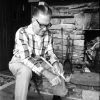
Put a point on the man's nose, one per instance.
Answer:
(45, 28)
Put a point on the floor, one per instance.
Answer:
(8, 92)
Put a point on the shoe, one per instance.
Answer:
(86, 69)
(68, 78)
(55, 97)
(74, 94)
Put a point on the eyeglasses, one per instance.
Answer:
(43, 25)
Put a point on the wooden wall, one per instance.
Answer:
(4, 29)
(13, 14)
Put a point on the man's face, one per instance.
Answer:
(42, 23)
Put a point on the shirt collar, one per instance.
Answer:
(30, 30)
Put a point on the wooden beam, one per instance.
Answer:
(33, 1)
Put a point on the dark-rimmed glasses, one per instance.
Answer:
(43, 25)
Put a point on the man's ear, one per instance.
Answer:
(33, 19)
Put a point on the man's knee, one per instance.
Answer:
(26, 72)
(60, 90)
(63, 93)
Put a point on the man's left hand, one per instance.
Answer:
(57, 69)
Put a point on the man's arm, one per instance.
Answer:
(23, 52)
(53, 58)
(50, 52)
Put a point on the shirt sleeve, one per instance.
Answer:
(22, 50)
(53, 57)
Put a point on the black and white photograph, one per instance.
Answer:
(49, 50)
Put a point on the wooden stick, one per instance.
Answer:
(52, 67)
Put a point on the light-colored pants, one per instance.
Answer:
(23, 76)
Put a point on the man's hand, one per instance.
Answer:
(55, 81)
(45, 65)
(68, 78)
(37, 70)
(52, 78)
(57, 69)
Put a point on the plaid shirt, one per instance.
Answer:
(29, 45)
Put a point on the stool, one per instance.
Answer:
(36, 81)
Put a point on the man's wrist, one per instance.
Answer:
(37, 69)
(44, 72)
(41, 69)
(55, 63)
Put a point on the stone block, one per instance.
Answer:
(58, 53)
(64, 42)
(68, 26)
(64, 49)
(78, 32)
(55, 31)
(74, 60)
(55, 11)
(78, 42)
(78, 55)
(82, 20)
(76, 47)
(90, 95)
(57, 47)
(67, 32)
(64, 26)
(68, 21)
(57, 35)
(55, 21)
(77, 37)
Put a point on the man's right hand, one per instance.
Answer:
(45, 65)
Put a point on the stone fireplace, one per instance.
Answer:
(69, 27)
(73, 21)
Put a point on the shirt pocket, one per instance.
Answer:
(45, 44)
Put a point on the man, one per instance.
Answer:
(32, 43)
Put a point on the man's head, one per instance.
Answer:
(41, 17)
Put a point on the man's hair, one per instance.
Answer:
(45, 9)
